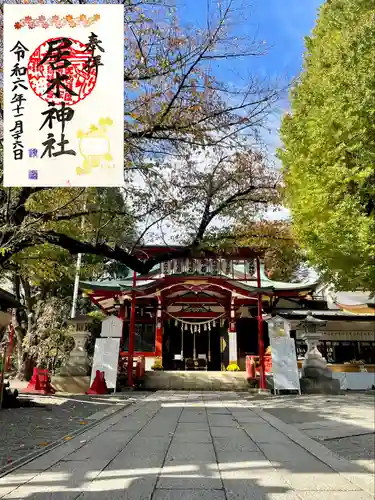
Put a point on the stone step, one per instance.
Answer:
(199, 380)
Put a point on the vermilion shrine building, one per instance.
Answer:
(201, 308)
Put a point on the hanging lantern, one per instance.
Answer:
(205, 327)
(186, 326)
(175, 322)
(214, 323)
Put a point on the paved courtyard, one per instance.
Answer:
(345, 424)
(193, 446)
(41, 420)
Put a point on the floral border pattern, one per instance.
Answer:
(68, 21)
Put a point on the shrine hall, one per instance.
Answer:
(206, 310)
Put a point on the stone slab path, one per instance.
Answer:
(190, 446)
(44, 419)
(345, 424)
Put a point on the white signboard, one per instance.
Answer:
(278, 327)
(63, 95)
(106, 356)
(284, 364)
(111, 327)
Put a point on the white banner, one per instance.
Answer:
(106, 356)
(63, 95)
(284, 364)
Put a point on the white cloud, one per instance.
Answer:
(281, 213)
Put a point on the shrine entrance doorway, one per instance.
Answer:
(183, 349)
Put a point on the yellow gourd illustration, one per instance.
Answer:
(95, 159)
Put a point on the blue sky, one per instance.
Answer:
(282, 24)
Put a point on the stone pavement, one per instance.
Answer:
(345, 424)
(44, 419)
(190, 446)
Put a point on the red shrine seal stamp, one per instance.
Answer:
(62, 70)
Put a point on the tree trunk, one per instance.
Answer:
(25, 372)
(25, 363)
(23, 326)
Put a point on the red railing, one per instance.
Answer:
(139, 366)
(252, 366)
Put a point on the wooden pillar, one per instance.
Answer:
(232, 333)
(159, 326)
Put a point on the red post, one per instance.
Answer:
(262, 381)
(132, 333)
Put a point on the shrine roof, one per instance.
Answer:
(114, 285)
(156, 279)
(235, 252)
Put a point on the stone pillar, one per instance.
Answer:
(232, 333)
(316, 376)
(77, 364)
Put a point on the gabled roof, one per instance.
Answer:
(235, 252)
(143, 282)
(106, 294)
(281, 285)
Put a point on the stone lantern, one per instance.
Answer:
(77, 364)
(316, 376)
